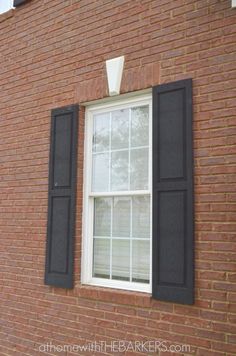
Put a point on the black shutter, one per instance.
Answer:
(19, 2)
(62, 197)
(173, 192)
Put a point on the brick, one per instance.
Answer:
(231, 339)
(223, 347)
(54, 55)
(212, 315)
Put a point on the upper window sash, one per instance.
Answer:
(96, 153)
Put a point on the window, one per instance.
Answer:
(5, 5)
(117, 226)
(124, 210)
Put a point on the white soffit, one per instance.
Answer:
(233, 3)
(114, 69)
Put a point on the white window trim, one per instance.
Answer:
(87, 229)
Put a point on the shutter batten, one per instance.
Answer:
(173, 192)
(62, 198)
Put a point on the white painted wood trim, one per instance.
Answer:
(114, 69)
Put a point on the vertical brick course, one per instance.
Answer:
(52, 53)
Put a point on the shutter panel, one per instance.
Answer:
(173, 192)
(62, 198)
(19, 2)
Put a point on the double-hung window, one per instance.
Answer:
(117, 227)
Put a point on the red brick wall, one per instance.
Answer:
(52, 54)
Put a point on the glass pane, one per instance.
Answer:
(120, 259)
(119, 170)
(101, 132)
(101, 258)
(139, 169)
(100, 172)
(121, 217)
(102, 216)
(139, 126)
(140, 261)
(120, 129)
(141, 217)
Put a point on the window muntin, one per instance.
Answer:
(117, 237)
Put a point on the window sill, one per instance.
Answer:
(117, 296)
(6, 15)
(112, 295)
